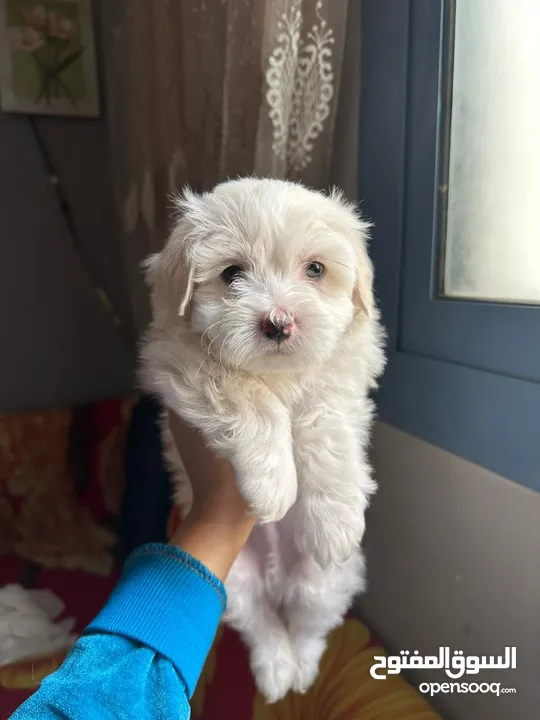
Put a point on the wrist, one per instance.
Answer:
(215, 541)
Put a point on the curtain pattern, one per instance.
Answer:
(204, 90)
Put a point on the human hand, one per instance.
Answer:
(219, 522)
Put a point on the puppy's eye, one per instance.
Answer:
(230, 273)
(315, 270)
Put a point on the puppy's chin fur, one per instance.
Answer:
(293, 417)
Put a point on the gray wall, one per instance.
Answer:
(57, 344)
(454, 559)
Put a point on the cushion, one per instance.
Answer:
(61, 491)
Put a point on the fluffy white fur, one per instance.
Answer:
(293, 417)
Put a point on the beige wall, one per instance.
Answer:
(454, 559)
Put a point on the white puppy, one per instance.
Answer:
(265, 337)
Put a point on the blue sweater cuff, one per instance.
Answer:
(168, 601)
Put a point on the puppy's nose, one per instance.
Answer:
(276, 329)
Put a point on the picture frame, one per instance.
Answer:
(47, 58)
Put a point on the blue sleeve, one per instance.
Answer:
(143, 654)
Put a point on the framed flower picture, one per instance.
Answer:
(47, 58)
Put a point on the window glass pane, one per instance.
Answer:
(492, 244)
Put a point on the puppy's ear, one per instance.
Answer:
(170, 276)
(356, 229)
(362, 296)
(170, 273)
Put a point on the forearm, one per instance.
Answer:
(146, 648)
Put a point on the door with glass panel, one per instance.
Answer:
(471, 289)
(449, 170)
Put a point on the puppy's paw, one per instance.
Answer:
(274, 669)
(271, 496)
(308, 655)
(276, 508)
(330, 530)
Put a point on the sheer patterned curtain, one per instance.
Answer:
(203, 90)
